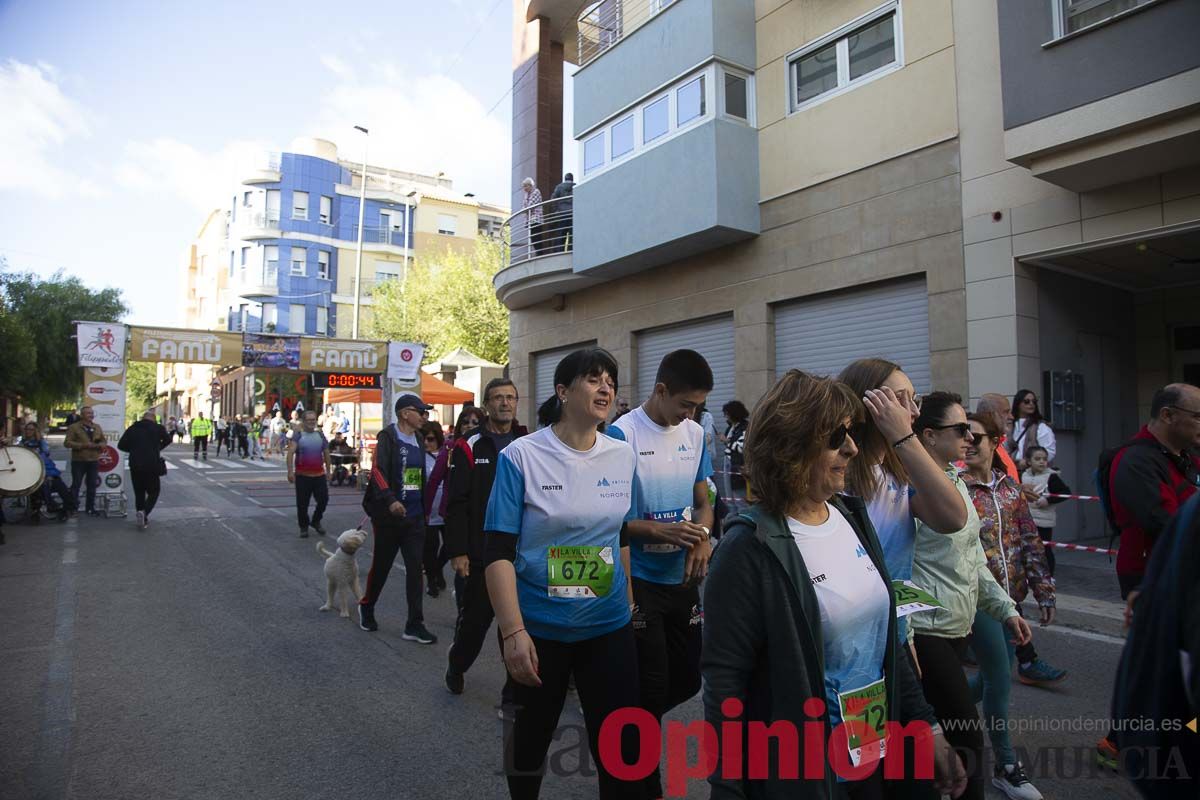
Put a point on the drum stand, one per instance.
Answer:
(112, 504)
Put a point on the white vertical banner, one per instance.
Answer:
(404, 362)
(100, 344)
(104, 392)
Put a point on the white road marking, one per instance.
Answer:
(69, 555)
(197, 464)
(70, 537)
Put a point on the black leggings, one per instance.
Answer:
(605, 671)
(946, 689)
(146, 486)
(475, 616)
(668, 633)
(432, 556)
(408, 538)
(1047, 535)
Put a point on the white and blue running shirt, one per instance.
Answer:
(891, 514)
(549, 495)
(670, 462)
(854, 605)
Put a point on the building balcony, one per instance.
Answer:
(260, 226)
(374, 235)
(267, 171)
(540, 243)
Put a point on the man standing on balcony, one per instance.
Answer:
(533, 217)
(563, 227)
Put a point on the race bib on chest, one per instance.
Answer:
(864, 713)
(579, 573)
(675, 515)
(412, 479)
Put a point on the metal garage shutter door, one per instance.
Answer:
(823, 334)
(711, 338)
(544, 365)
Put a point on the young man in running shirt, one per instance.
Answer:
(308, 468)
(669, 539)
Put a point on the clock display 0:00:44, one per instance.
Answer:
(338, 380)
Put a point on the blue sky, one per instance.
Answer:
(123, 122)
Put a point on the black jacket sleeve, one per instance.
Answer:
(381, 479)
(501, 547)
(1138, 484)
(126, 441)
(458, 504)
(1057, 486)
(164, 438)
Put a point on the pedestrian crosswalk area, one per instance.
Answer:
(187, 463)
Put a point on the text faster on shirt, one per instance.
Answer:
(670, 462)
(551, 496)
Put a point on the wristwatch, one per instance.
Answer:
(707, 531)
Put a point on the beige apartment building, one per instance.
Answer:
(962, 186)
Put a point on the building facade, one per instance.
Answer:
(283, 256)
(799, 183)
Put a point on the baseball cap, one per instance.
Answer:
(409, 400)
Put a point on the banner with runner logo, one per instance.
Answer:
(404, 361)
(101, 344)
(177, 346)
(270, 352)
(104, 392)
(342, 355)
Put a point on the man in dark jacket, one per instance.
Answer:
(144, 441)
(470, 485)
(396, 504)
(1153, 476)
(560, 224)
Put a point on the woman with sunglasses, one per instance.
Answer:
(953, 568)
(1029, 430)
(557, 574)
(799, 604)
(1018, 562)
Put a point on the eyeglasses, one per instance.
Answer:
(838, 437)
(1193, 414)
(963, 428)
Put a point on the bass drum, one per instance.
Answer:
(21, 471)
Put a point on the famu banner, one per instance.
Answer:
(342, 355)
(175, 345)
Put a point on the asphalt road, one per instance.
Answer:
(190, 661)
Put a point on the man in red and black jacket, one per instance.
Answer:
(472, 470)
(1153, 475)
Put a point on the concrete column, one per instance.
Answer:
(537, 110)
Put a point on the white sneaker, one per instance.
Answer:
(141, 520)
(1011, 780)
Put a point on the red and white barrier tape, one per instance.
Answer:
(1084, 548)
(1073, 496)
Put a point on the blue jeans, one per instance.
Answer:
(993, 682)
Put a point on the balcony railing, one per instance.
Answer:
(603, 24)
(543, 229)
(379, 235)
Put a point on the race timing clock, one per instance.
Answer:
(346, 380)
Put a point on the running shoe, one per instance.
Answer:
(418, 633)
(141, 520)
(454, 682)
(304, 533)
(1107, 754)
(1011, 780)
(317, 527)
(1039, 673)
(366, 618)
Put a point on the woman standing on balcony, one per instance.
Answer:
(533, 217)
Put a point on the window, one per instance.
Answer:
(326, 209)
(271, 265)
(323, 264)
(736, 101)
(593, 153)
(246, 198)
(242, 313)
(656, 119)
(447, 224)
(299, 205)
(272, 205)
(299, 258)
(622, 137)
(231, 263)
(268, 316)
(864, 49)
(296, 319)
(233, 210)
(322, 322)
(1075, 15)
(689, 101)
(245, 255)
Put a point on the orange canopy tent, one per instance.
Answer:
(433, 390)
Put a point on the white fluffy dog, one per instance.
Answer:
(341, 571)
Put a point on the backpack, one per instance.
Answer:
(1103, 480)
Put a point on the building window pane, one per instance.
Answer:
(322, 264)
(245, 255)
(735, 96)
(689, 101)
(231, 263)
(872, 47)
(622, 137)
(655, 120)
(271, 265)
(299, 257)
(1081, 13)
(593, 153)
(326, 209)
(816, 73)
(322, 322)
(299, 205)
(296, 319)
(447, 224)
(272, 205)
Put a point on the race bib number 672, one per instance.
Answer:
(579, 573)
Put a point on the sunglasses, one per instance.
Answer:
(838, 437)
(963, 428)
(431, 438)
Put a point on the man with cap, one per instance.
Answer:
(395, 502)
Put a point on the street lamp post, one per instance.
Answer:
(404, 277)
(362, 207)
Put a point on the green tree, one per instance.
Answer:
(45, 308)
(446, 301)
(19, 362)
(141, 388)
